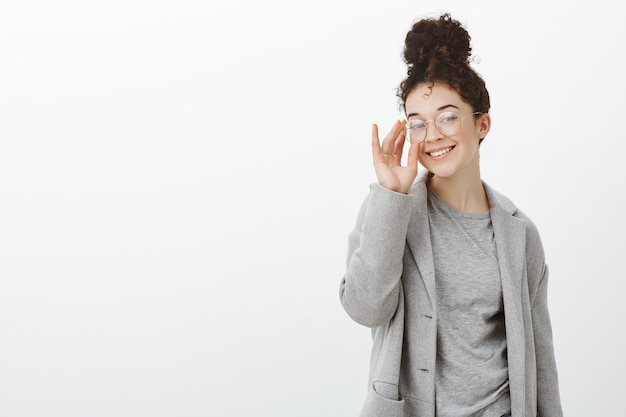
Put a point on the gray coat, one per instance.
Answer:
(389, 286)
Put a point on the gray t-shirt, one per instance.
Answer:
(472, 375)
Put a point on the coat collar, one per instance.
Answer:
(509, 231)
(496, 200)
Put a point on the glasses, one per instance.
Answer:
(448, 123)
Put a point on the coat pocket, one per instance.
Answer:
(383, 400)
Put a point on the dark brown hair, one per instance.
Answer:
(437, 50)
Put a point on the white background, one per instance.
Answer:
(178, 180)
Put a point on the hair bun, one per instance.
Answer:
(442, 40)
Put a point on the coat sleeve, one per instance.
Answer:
(548, 398)
(370, 287)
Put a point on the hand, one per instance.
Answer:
(387, 159)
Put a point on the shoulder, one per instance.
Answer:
(505, 208)
(503, 204)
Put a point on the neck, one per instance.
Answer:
(463, 191)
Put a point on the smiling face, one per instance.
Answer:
(447, 156)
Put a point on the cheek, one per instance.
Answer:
(471, 136)
(423, 160)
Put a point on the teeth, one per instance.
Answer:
(441, 152)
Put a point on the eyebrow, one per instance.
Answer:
(439, 109)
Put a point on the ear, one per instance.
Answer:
(483, 123)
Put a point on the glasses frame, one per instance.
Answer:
(461, 116)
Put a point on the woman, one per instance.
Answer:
(447, 272)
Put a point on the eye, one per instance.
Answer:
(416, 125)
(447, 118)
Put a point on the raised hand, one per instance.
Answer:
(387, 159)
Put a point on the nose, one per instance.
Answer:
(432, 133)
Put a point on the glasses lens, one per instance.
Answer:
(448, 123)
(416, 131)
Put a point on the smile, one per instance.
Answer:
(441, 151)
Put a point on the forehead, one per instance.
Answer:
(427, 100)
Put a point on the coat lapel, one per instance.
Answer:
(418, 237)
(510, 237)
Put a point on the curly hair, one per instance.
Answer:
(438, 51)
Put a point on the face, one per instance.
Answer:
(446, 156)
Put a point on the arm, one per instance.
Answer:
(370, 287)
(548, 398)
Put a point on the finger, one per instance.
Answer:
(390, 140)
(399, 144)
(376, 150)
(413, 155)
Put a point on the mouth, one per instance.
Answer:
(440, 152)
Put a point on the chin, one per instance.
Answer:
(441, 171)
